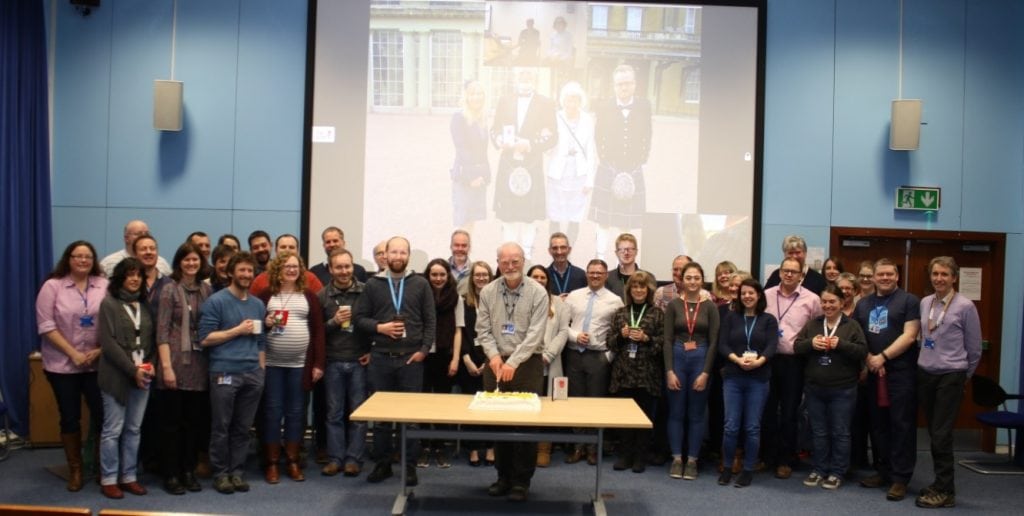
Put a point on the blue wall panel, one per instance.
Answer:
(271, 65)
(87, 224)
(993, 175)
(81, 93)
(798, 113)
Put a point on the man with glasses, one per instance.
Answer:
(794, 246)
(586, 358)
(626, 248)
(510, 320)
(564, 277)
(793, 305)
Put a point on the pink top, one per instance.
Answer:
(61, 306)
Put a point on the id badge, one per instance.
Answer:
(780, 333)
(878, 320)
(632, 349)
(224, 379)
(825, 360)
(508, 329)
(929, 343)
(690, 345)
(86, 321)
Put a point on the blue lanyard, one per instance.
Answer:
(397, 301)
(562, 287)
(749, 330)
(778, 304)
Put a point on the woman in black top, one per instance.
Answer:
(442, 363)
(835, 348)
(636, 371)
(474, 361)
(747, 340)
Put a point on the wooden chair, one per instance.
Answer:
(41, 510)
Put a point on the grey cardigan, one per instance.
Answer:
(117, 341)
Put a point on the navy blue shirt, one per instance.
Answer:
(899, 307)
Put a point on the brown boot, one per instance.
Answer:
(73, 453)
(273, 453)
(543, 455)
(294, 470)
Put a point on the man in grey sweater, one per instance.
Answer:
(510, 320)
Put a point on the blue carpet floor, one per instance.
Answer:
(561, 489)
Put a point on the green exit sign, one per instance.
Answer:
(919, 198)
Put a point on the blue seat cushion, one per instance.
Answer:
(1002, 419)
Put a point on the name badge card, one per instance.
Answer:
(508, 329)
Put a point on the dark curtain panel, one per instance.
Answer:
(26, 254)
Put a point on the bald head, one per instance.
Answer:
(133, 230)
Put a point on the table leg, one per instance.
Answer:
(599, 509)
(398, 509)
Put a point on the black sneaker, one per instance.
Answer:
(191, 483)
(744, 479)
(499, 488)
(517, 494)
(381, 472)
(223, 485)
(173, 486)
(725, 478)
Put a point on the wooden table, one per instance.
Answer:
(594, 414)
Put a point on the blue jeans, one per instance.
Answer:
(830, 411)
(345, 382)
(232, 409)
(744, 402)
(389, 372)
(687, 404)
(283, 397)
(119, 441)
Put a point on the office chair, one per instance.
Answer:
(987, 393)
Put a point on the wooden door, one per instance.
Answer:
(912, 250)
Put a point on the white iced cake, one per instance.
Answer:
(506, 401)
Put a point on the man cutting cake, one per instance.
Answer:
(510, 328)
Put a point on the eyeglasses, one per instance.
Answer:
(790, 272)
(290, 267)
(82, 257)
(482, 275)
(626, 250)
(866, 276)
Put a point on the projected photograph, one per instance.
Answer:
(514, 120)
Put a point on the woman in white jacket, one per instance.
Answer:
(572, 163)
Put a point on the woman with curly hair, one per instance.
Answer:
(295, 360)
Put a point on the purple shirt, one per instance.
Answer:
(956, 337)
(61, 306)
(793, 313)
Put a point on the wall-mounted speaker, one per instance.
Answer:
(905, 131)
(167, 99)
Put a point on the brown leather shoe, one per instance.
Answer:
(273, 453)
(352, 469)
(592, 457)
(330, 469)
(873, 481)
(294, 470)
(134, 488)
(112, 491)
(783, 472)
(897, 491)
(574, 456)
